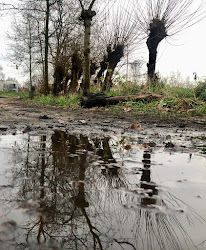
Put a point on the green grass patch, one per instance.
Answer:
(56, 101)
(138, 107)
(200, 91)
(130, 89)
(9, 94)
(177, 92)
(175, 100)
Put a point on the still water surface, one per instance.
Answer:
(69, 191)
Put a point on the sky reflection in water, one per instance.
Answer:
(74, 192)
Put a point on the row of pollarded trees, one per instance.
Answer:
(48, 36)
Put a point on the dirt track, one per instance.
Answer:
(18, 115)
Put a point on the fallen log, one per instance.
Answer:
(101, 100)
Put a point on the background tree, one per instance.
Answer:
(76, 70)
(37, 34)
(22, 44)
(160, 19)
(46, 76)
(2, 75)
(24, 39)
(42, 10)
(49, 4)
(65, 46)
(58, 41)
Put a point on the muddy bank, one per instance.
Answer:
(16, 114)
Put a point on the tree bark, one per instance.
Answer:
(58, 78)
(87, 16)
(114, 57)
(103, 67)
(76, 72)
(107, 84)
(86, 75)
(157, 34)
(31, 94)
(152, 60)
(46, 76)
(98, 100)
(41, 51)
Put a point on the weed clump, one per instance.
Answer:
(200, 91)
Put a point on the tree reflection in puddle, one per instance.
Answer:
(76, 195)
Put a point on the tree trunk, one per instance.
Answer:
(73, 87)
(114, 57)
(58, 78)
(107, 84)
(103, 67)
(157, 33)
(87, 16)
(31, 94)
(31, 88)
(86, 74)
(41, 51)
(152, 61)
(76, 72)
(99, 100)
(46, 76)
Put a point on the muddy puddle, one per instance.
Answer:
(60, 190)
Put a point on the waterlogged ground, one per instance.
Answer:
(141, 188)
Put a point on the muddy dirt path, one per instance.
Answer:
(16, 114)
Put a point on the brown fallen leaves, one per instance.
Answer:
(136, 126)
(128, 147)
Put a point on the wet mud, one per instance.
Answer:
(71, 180)
(17, 115)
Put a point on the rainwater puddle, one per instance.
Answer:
(70, 191)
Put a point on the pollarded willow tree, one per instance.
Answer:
(86, 15)
(164, 18)
(118, 32)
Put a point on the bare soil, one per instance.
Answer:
(17, 114)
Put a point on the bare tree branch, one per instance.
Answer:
(91, 5)
(80, 1)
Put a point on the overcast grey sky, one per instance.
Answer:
(185, 52)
